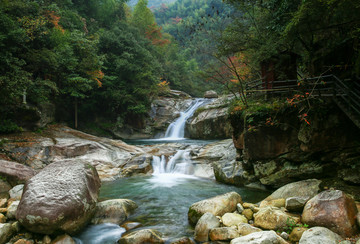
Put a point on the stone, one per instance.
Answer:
(278, 203)
(16, 192)
(345, 242)
(113, 211)
(270, 218)
(319, 235)
(248, 213)
(2, 218)
(183, 240)
(211, 94)
(304, 188)
(63, 239)
(295, 204)
(296, 233)
(3, 210)
(207, 222)
(218, 206)
(246, 229)
(249, 205)
(15, 173)
(4, 186)
(239, 208)
(11, 210)
(223, 234)
(263, 237)
(142, 236)
(46, 239)
(3, 202)
(233, 219)
(24, 241)
(61, 198)
(131, 225)
(6, 232)
(284, 235)
(334, 210)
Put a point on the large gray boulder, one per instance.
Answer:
(319, 235)
(61, 198)
(218, 206)
(113, 211)
(15, 173)
(262, 237)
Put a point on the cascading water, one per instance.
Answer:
(176, 129)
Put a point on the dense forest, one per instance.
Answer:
(103, 60)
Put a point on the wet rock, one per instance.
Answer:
(63, 239)
(210, 94)
(319, 235)
(223, 234)
(246, 229)
(305, 188)
(207, 222)
(263, 237)
(61, 198)
(142, 236)
(295, 204)
(218, 206)
(296, 233)
(15, 173)
(6, 232)
(16, 192)
(270, 218)
(11, 210)
(233, 219)
(138, 165)
(131, 225)
(113, 211)
(320, 211)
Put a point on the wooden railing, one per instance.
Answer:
(346, 93)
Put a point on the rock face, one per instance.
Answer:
(61, 198)
(334, 210)
(207, 222)
(15, 173)
(218, 206)
(263, 237)
(142, 236)
(113, 211)
(319, 235)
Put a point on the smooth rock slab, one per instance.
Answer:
(61, 198)
(207, 222)
(142, 236)
(263, 237)
(319, 235)
(113, 211)
(218, 206)
(334, 210)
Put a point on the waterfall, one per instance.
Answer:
(180, 163)
(176, 129)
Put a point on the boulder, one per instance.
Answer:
(334, 210)
(296, 233)
(11, 210)
(319, 235)
(304, 188)
(218, 206)
(142, 236)
(15, 173)
(233, 219)
(271, 218)
(246, 229)
(113, 211)
(211, 94)
(63, 239)
(61, 198)
(183, 240)
(16, 192)
(223, 234)
(207, 222)
(295, 204)
(263, 237)
(6, 232)
(278, 203)
(248, 213)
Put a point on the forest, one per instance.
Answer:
(103, 60)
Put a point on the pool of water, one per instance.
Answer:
(163, 201)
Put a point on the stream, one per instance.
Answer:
(164, 197)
